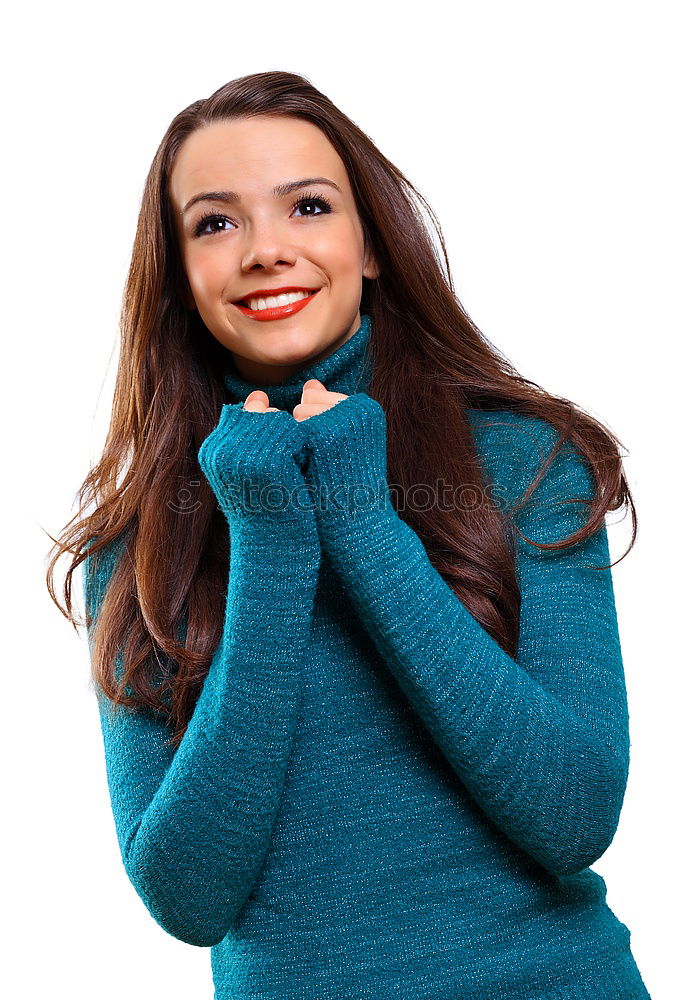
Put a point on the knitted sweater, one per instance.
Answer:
(373, 801)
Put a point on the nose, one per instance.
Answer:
(268, 246)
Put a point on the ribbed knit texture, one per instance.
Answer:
(373, 801)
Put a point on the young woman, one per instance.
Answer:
(348, 594)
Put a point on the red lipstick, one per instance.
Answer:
(264, 315)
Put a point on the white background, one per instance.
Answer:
(541, 134)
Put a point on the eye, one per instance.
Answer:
(205, 220)
(313, 199)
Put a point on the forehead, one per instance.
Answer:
(250, 156)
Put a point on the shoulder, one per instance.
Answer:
(507, 429)
(513, 447)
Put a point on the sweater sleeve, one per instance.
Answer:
(540, 741)
(194, 823)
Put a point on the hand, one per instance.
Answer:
(315, 399)
(347, 458)
(251, 460)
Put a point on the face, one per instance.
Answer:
(307, 238)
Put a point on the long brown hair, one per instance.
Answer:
(165, 603)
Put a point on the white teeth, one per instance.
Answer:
(277, 300)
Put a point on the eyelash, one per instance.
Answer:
(323, 203)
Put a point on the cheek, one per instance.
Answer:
(340, 251)
(206, 273)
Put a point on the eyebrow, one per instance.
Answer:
(280, 190)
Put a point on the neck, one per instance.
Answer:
(347, 370)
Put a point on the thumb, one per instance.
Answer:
(312, 385)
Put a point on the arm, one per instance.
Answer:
(540, 742)
(194, 823)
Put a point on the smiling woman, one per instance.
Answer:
(300, 237)
(359, 741)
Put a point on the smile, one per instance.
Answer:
(276, 307)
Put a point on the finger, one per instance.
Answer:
(313, 389)
(304, 410)
(317, 393)
(257, 401)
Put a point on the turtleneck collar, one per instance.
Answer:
(346, 370)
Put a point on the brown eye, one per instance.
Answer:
(324, 205)
(205, 220)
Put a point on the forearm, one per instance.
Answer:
(544, 775)
(194, 823)
(539, 741)
(193, 846)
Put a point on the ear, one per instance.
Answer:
(371, 268)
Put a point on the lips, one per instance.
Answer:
(279, 312)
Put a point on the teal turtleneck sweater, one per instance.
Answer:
(373, 801)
